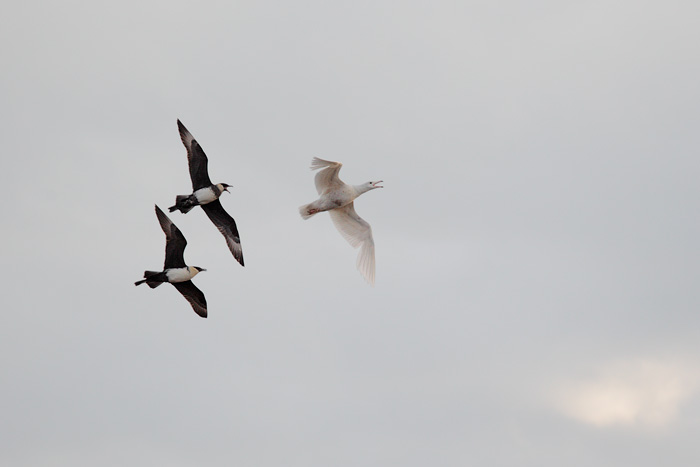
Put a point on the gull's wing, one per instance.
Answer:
(197, 159)
(327, 178)
(227, 227)
(357, 232)
(194, 296)
(175, 242)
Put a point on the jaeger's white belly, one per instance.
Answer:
(205, 195)
(180, 274)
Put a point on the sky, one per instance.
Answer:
(536, 300)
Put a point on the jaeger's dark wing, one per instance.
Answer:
(227, 227)
(175, 242)
(194, 296)
(198, 162)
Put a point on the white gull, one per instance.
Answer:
(337, 198)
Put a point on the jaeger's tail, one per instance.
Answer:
(183, 203)
(149, 276)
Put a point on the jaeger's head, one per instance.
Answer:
(198, 269)
(223, 187)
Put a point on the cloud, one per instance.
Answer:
(632, 393)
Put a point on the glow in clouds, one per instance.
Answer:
(639, 393)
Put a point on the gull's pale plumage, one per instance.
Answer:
(358, 233)
(337, 198)
(326, 179)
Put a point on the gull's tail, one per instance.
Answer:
(308, 210)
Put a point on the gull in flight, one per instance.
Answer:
(175, 271)
(206, 194)
(337, 198)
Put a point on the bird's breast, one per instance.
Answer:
(205, 195)
(338, 198)
(179, 274)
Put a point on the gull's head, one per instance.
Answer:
(373, 185)
(224, 187)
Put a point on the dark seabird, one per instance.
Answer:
(337, 197)
(206, 194)
(175, 271)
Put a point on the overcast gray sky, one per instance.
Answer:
(537, 263)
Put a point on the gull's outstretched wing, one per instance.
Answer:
(358, 233)
(227, 227)
(175, 242)
(197, 159)
(327, 178)
(194, 296)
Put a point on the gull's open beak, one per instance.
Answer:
(376, 184)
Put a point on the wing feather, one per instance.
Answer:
(327, 178)
(227, 226)
(357, 232)
(198, 162)
(175, 242)
(194, 296)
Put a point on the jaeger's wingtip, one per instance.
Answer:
(181, 127)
